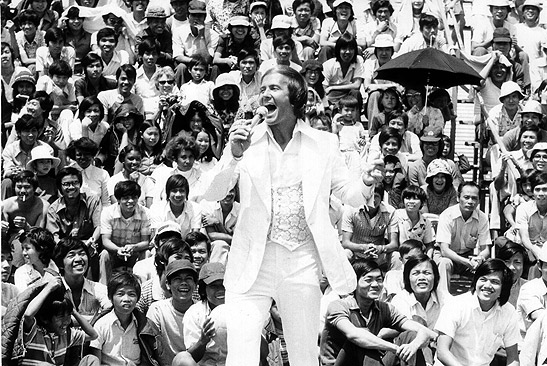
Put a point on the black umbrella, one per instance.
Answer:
(428, 67)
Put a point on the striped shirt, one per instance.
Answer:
(125, 231)
(366, 229)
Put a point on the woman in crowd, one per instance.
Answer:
(89, 122)
(9, 70)
(516, 258)
(439, 189)
(419, 115)
(312, 70)
(341, 23)
(150, 146)
(226, 95)
(164, 80)
(24, 85)
(344, 73)
(206, 158)
(390, 142)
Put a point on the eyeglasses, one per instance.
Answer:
(163, 82)
(540, 157)
(70, 184)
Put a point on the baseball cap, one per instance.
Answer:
(430, 135)
(197, 7)
(178, 266)
(501, 35)
(211, 272)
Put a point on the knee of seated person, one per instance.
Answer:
(89, 360)
(183, 358)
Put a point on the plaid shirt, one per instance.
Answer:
(125, 231)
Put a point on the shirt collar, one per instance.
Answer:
(474, 215)
(475, 305)
(138, 215)
(300, 127)
(61, 203)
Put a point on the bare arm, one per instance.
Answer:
(452, 255)
(37, 302)
(363, 338)
(444, 343)
(90, 332)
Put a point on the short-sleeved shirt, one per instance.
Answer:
(401, 224)
(13, 155)
(112, 99)
(409, 306)
(528, 218)
(118, 346)
(214, 209)
(30, 48)
(44, 59)
(44, 347)
(382, 315)
(332, 70)
(186, 44)
(146, 183)
(512, 142)
(189, 219)
(125, 231)
(501, 122)
(532, 297)
(93, 300)
(311, 29)
(477, 335)
(85, 89)
(366, 229)
(330, 30)
(64, 96)
(267, 51)
(452, 229)
(170, 323)
(118, 59)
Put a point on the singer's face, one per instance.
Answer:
(274, 95)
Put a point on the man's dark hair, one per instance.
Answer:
(66, 172)
(123, 279)
(60, 68)
(64, 246)
(492, 266)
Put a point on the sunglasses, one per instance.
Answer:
(163, 82)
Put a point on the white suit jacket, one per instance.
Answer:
(324, 172)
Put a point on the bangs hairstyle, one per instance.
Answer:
(428, 20)
(129, 71)
(379, 189)
(492, 266)
(55, 304)
(448, 177)
(537, 178)
(26, 123)
(208, 155)
(297, 3)
(43, 242)
(395, 93)
(158, 148)
(413, 191)
(282, 40)
(177, 181)
(107, 32)
(149, 44)
(412, 262)
(507, 251)
(54, 35)
(388, 133)
(196, 237)
(409, 245)
(8, 46)
(26, 176)
(377, 5)
(346, 40)
(60, 68)
(126, 188)
(85, 145)
(532, 128)
(123, 279)
(397, 114)
(171, 247)
(181, 143)
(64, 246)
(29, 15)
(65, 172)
(348, 101)
(298, 89)
(364, 266)
(46, 103)
(245, 53)
(87, 103)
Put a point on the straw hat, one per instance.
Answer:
(43, 152)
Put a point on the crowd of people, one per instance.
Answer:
(153, 214)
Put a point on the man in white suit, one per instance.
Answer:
(283, 240)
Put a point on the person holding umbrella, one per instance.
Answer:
(420, 115)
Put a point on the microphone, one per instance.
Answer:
(260, 114)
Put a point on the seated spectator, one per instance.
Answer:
(206, 142)
(283, 47)
(281, 26)
(111, 57)
(131, 157)
(93, 81)
(145, 86)
(171, 248)
(112, 17)
(312, 70)
(29, 38)
(54, 50)
(332, 29)
(44, 165)
(176, 207)
(394, 181)
(23, 86)
(409, 223)
(113, 99)
(200, 245)
(496, 72)
(121, 251)
(198, 89)
(483, 31)
(157, 28)
(180, 16)
(60, 89)
(50, 312)
(466, 334)
(382, 25)
(205, 340)
(135, 21)
(89, 122)
(354, 326)
(388, 101)
(408, 18)
(394, 282)
(503, 42)
(259, 20)
(306, 27)
(463, 235)
(532, 299)
(421, 116)
(530, 115)
(365, 232)
(439, 187)
(72, 257)
(533, 349)
(94, 179)
(193, 38)
(48, 17)
(230, 44)
(248, 80)
(220, 12)
(168, 315)
(226, 96)
(166, 102)
(150, 146)
(507, 115)
(344, 73)
(426, 37)
(9, 70)
(38, 246)
(516, 259)
(76, 37)
(24, 210)
(124, 333)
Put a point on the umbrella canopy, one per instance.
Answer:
(428, 67)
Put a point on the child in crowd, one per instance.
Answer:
(125, 230)
(198, 88)
(390, 101)
(60, 88)
(54, 50)
(9, 291)
(350, 131)
(47, 334)
(124, 335)
(394, 181)
(43, 164)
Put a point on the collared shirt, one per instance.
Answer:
(532, 297)
(80, 43)
(189, 219)
(512, 142)
(186, 44)
(14, 156)
(267, 51)
(452, 229)
(410, 307)
(311, 29)
(332, 70)
(248, 91)
(528, 218)
(417, 42)
(75, 131)
(477, 335)
(534, 349)
(382, 315)
(401, 223)
(330, 30)
(81, 225)
(201, 92)
(118, 59)
(30, 48)
(214, 209)
(44, 347)
(366, 229)
(118, 346)
(146, 183)
(26, 275)
(95, 182)
(144, 86)
(44, 59)
(93, 299)
(501, 122)
(59, 96)
(112, 99)
(365, 32)
(409, 145)
(125, 231)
